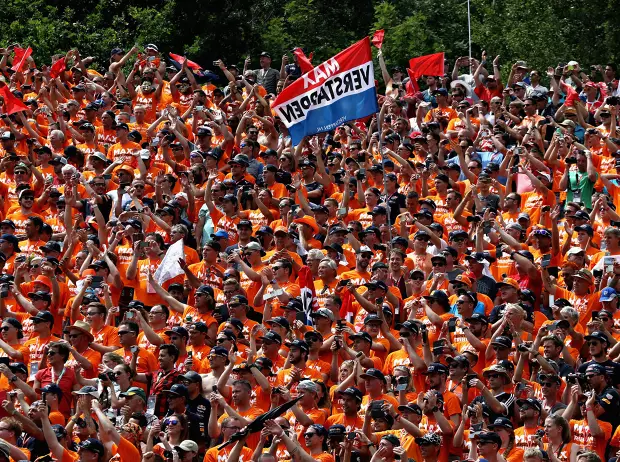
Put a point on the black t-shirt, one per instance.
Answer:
(313, 187)
(105, 207)
(201, 407)
(396, 202)
(487, 286)
(506, 399)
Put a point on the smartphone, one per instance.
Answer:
(143, 244)
(200, 108)
(351, 435)
(344, 282)
(546, 259)
(129, 315)
(134, 348)
(4, 291)
(126, 296)
(5, 360)
(214, 389)
(376, 409)
(595, 315)
(97, 280)
(609, 263)
(401, 384)
(514, 169)
(452, 325)
(379, 301)
(474, 219)
(189, 355)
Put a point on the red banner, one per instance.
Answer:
(180, 59)
(20, 58)
(304, 62)
(427, 65)
(11, 103)
(377, 38)
(57, 68)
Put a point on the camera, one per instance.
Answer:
(523, 348)
(107, 376)
(571, 160)
(576, 377)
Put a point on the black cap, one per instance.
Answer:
(93, 445)
(178, 389)
(361, 335)
(299, 344)
(204, 289)
(354, 392)
(272, 337)
(436, 368)
(490, 437)
(373, 373)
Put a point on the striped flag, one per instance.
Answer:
(308, 295)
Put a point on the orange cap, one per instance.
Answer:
(308, 220)
(509, 282)
(462, 278)
(280, 229)
(44, 280)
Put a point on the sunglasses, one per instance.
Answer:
(493, 376)
(171, 422)
(51, 353)
(591, 376)
(123, 332)
(417, 278)
(309, 435)
(546, 384)
(221, 340)
(5, 328)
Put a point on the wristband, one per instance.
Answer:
(588, 409)
(397, 417)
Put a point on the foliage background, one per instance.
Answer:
(542, 33)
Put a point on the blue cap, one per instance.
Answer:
(220, 234)
(608, 294)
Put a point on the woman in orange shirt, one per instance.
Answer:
(560, 441)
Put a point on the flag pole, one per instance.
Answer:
(469, 33)
(384, 157)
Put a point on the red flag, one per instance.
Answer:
(427, 65)
(181, 59)
(57, 68)
(304, 62)
(308, 295)
(571, 94)
(412, 86)
(11, 103)
(346, 310)
(377, 38)
(20, 58)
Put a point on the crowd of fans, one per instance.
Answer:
(462, 247)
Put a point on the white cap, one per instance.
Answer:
(574, 251)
